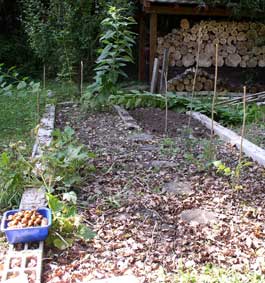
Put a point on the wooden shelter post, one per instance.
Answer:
(153, 42)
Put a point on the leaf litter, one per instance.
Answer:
(138, 224)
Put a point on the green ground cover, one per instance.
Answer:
(19, 110)
(18, 116)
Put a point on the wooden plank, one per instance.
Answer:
(186, 10)
(141, 61)
(250, 149)
(154, 76)
(152, 42)
(128, 120)
(163, 76)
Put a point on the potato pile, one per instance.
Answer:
(26, 218)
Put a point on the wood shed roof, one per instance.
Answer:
(175, 1)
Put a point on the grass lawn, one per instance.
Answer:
(18, 116)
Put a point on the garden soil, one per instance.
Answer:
(158, 201)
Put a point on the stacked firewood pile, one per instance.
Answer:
(240, 44)
(184, 81)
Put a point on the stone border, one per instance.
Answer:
(128, 120)
(250, 149)
(32, 198)
(44, 136)
(25, 256)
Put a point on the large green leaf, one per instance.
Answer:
(85, 233)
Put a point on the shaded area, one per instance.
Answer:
(153, 121)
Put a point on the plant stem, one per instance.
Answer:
(38, 106)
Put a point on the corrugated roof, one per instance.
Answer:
(176, 1)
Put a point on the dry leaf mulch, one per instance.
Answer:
(138, 225)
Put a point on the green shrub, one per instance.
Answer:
(116, 51)
(227, 115)
(15, 174)
(67, 224)
(66, 162)
(64, 166)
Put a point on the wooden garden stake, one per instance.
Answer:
(163, 83)
(81, 77)
(215, 89)
(166, 118)
(243, 125)
(164, 69)
(236, 184)
(195, 74)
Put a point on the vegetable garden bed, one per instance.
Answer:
(160, 209)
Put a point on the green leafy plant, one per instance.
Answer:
(214, 274)
(115, 52)
(204, 154)
(63, 167)
(226, 115)
(67, 224)
(168, 147)
(222, 168)
(15, 174)
(66, 163)
(12, 84)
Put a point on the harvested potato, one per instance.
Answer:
(26, 218)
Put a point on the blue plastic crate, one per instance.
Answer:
(28, 234)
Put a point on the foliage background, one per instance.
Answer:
(59, 33)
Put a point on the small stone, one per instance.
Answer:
(141, 138)
(162, 164)
(198, 216)
(178, 188)
(149, 147)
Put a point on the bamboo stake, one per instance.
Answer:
(239, 165)
(239, 99)
(163, 84)
(195, 74)
(164, 67)
(243, 125)
(166, 118)
(81, 77)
